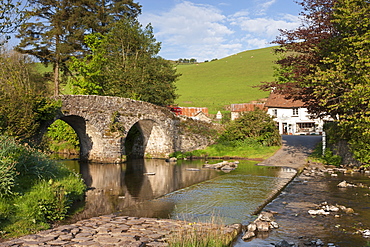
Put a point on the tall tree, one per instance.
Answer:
(56, 28)
(125, 63)
(326, 64)
(326, 57)
(301, 50)
(11, 17)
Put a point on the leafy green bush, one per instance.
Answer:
(254, 127)
(328, 158)
(61, 138)
(35, 191)
(24, 100)
(356, 133)
(253, 135)
(331, 159)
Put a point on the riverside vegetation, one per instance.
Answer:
(253, 135)
(35, 192)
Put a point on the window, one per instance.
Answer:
(295, 111)
(306, 127)
(274, 112)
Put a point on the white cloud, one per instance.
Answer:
(252, 42)
(266, 5)
(240, 13)
(201, 31)
(191, 23)
(197, 28)
(267, 27)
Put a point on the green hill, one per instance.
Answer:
(226, 81)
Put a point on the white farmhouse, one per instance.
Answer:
(292, 117)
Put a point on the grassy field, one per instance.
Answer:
(219, 83)
(225, 81)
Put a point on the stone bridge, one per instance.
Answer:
(111, 128)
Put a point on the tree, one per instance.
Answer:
(23, 100)
(56, 29)
(326, 65)
(301, 50)
(124, 63)
(11, 16)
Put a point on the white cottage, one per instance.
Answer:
(292, 117)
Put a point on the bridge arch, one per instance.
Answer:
(146, 138)
(109, 128)
(78, 124)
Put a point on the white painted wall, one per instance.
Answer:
(290, 122)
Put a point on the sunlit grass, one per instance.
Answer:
(241, 150)
(212, 234)
(226, 81)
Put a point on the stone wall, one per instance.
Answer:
(103, 125)
(341, 148)
(196, 134)
(104, 122)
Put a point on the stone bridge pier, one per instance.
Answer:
(111, 128)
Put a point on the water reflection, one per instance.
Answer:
(154, 188)
(120, 187)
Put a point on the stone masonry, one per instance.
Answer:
(103, 123)
(112, 230)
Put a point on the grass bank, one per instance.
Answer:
(225, 81)
(35, 192)
(231, 149)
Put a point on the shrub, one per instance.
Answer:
(253, 127)
(35, 191)
(61, 138)
(355, 133)
(24, 101)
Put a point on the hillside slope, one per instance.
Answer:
(226, 81)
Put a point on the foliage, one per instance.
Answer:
(23, 97)
(89, 75)
(356, 136)
(254, 126)
(61, 137)
(226, 81)
(124, 63)
(191, 126)
(301, 50)
(11, 16)
(253, 135)
(326, 65)
(328, 158)
(56, 29)
(37, 191)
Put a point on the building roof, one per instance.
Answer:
(246, 107)
(192, 111)
(279, 101)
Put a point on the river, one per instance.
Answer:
(182, 190)
(186, 191)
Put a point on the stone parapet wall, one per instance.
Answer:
(196, 134)
(103, 125)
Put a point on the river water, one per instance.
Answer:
(186, 191)
(182, 190)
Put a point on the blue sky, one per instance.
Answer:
(208, 29)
